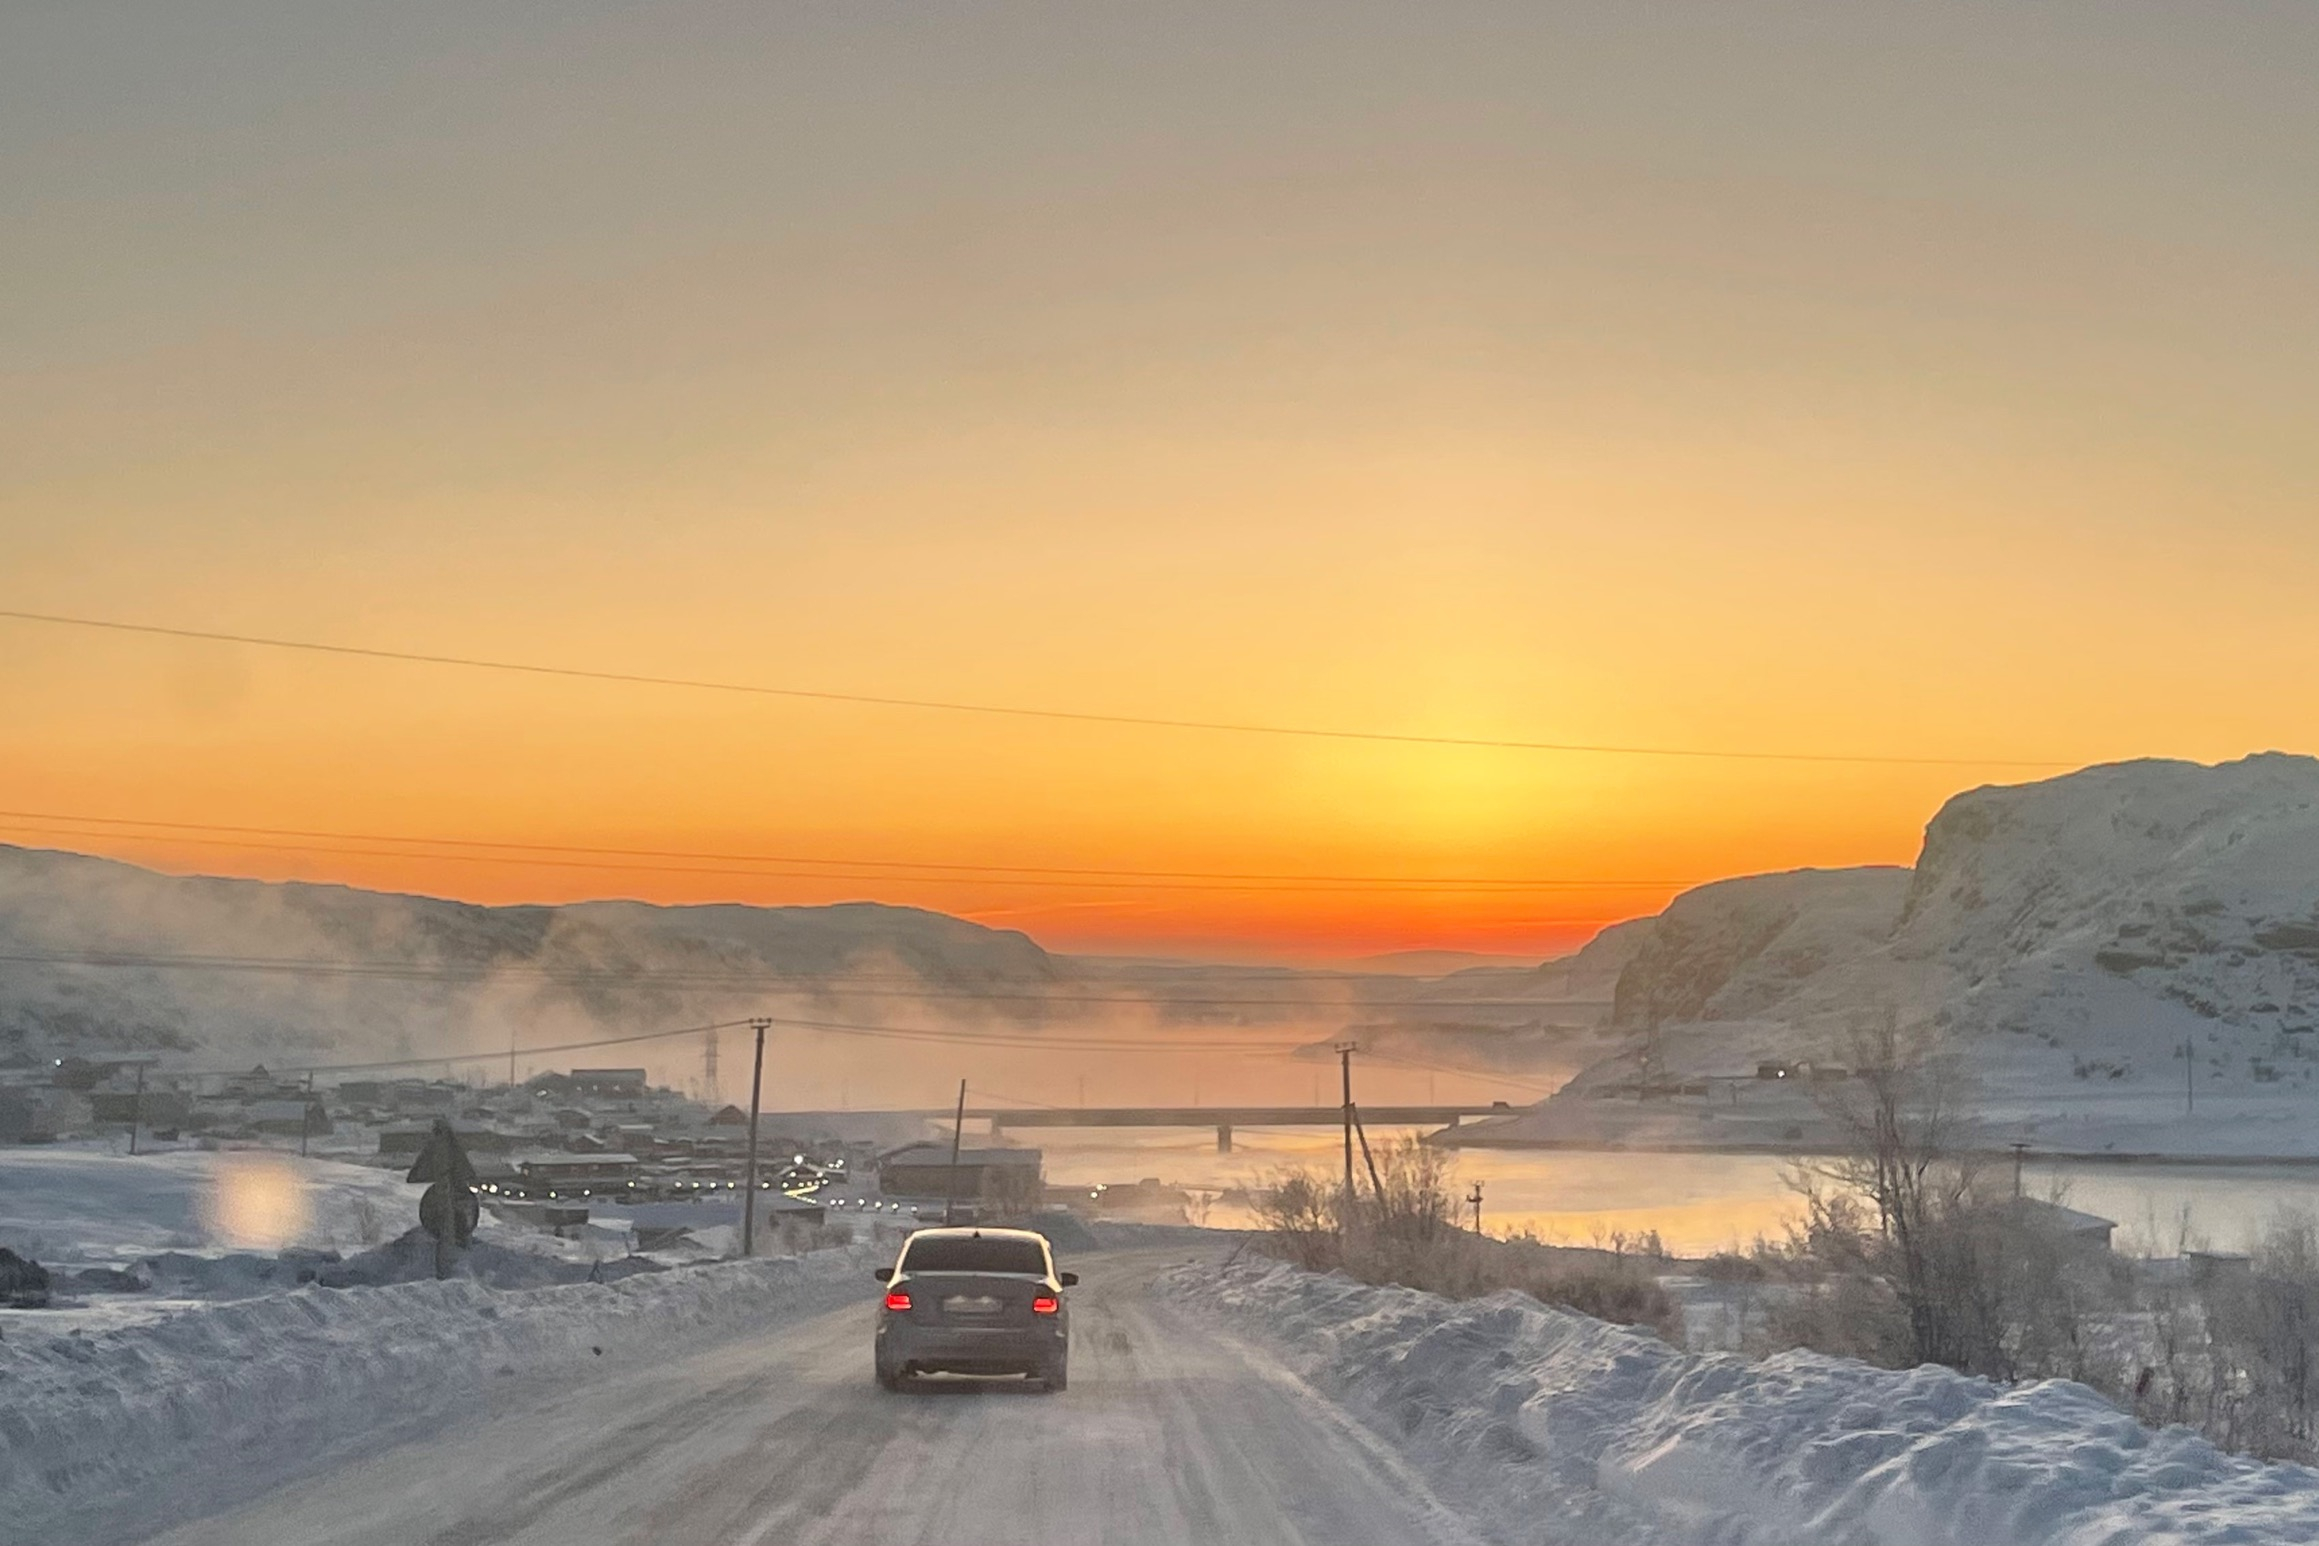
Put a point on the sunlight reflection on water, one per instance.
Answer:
(1697, 1202)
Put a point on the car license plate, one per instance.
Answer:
(971, 1304)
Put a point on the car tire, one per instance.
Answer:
(888, 1379)
(1057, 1377)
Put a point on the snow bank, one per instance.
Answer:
(223, 1401)
(74, 1206)
(1545, 1418)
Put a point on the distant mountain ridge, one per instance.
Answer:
(99, 956)
(106, 955)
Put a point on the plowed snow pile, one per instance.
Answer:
(1545, 1420)
(222, 1401)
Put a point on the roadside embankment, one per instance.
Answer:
(1538, 1414)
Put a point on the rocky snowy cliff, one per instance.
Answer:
(2068, 938)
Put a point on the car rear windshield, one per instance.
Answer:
(967, 1253)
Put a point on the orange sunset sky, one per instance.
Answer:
(1911, 382)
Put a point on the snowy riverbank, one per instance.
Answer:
(1556, 1426)
(219, 1402)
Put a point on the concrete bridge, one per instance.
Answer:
(1222, 1118)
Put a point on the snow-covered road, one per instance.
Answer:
(1172, 1432)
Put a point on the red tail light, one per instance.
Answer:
(1046, 1304)
(897, 1301)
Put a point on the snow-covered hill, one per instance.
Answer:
(1740, 948)
(2067, 938)
(2125, 907)
(98, 956)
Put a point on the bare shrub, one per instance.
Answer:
(2262, 1327)
(1732, 1267)
(1621, 1294)
(1908, 1253)
(1404, 1230)
(1303, 1218)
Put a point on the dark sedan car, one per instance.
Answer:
(974, 1301)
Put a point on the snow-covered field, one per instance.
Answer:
(1553, 1426)
(229, 1370)
(134, 1238)
(218, 1402)
(86, 1206)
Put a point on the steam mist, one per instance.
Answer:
(105, 958)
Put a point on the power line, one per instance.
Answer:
(1013, 711)
(1012, 1041)
(1188, 1041)
(889, 864)
(463, 1057)
(1512, 1082)
(890, 870)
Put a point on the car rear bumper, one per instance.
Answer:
(971, 1349)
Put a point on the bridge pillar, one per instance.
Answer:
(1223, 1137)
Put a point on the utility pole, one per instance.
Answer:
(749, 1173)
(709, 1068)
(137, 1109)
(1376, 1181)
(1344, 1050)
(2189, 1077)
(1475, 1197)
(306, 1115)
(511, 1060)
(2020, 1152)
(957, 1132)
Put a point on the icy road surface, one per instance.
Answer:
(1171, 1432)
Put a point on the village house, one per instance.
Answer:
(925, 1170)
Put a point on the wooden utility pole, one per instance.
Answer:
(137, 1109)
(749, 1173)
(957, 1132)
(1475, 1197)
(306, 1115)
(2020, 1152)
(2189, 1077)
(1344, 1051)
(1376, 1182)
